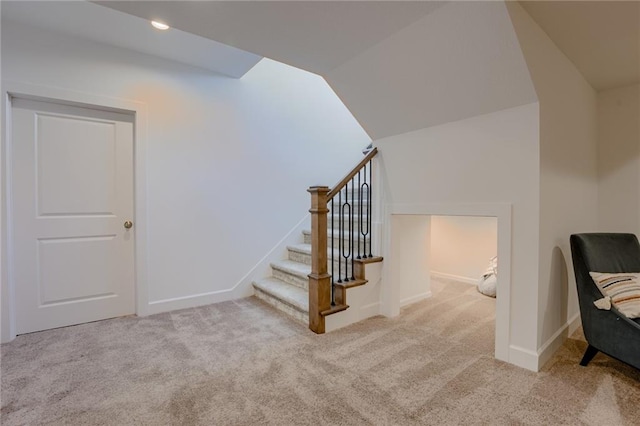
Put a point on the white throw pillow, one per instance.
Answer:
(623, 289)
(487, 285)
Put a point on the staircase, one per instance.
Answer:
(288, 287)
(332, 257)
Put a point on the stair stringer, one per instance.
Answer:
(364, 301)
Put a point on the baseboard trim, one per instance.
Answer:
(523, 357)
(414, 299)
(191, 301)
(444, 275)
(534, 361)
(550, 347)
(242, 288)
(371, 310)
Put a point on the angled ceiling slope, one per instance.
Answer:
(397, 65)
(601, 38)
(461, 61)
(97, 23)
(316, 36)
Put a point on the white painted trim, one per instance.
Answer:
(243, 288)
(345, 318)
(534, 361)
(554, 343)
(377, 197)
(192, 301)
(523, 358)
(12, 89)
(359, 310)
(390, 298)
(459, 278)
(416, 298)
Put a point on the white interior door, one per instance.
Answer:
(71, 192)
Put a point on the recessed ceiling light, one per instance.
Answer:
(160, 25)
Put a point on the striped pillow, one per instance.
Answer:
(624, 290)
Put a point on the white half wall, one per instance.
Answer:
(410, 258)
(228, 161)
(619, 160)
(462, 246)
(486, 160)
(568, 174)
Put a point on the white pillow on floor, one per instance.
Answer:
(487, 285)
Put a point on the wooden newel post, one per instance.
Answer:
(319, 279)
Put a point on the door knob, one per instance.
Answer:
(128, 224)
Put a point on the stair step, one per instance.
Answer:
(367, 260)
(292, 272)
(354, 203)
(354, 190)
(285, 297)
(346, 215)
(351, 283)
(335, 233)
(302, 253)
(336, 240)
(334, 310)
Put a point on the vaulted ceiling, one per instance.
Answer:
(89, 21)
(397, 65)
(316, 36)
(601, 38)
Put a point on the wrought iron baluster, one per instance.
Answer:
(340, 226)
(359, 229)
(351, 228)
(333, 284)
(369, 209)
(364, 229)
(346, 242)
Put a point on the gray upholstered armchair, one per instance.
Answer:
(609, 332)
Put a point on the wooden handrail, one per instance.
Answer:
(334, 191)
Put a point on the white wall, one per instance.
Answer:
(228, 161)
(459, 61)
(568, 175)
(411, 257)
(489, 159)
(462, 246)
(619, 159)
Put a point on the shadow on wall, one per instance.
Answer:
(558, 296)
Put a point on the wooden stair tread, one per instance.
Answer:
(334, 309)
(367, 260)
(351, 283)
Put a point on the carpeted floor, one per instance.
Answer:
(243, 363)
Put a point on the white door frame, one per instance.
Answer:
(390, 297)
(10, 90)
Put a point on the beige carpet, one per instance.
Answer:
(243, 363)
